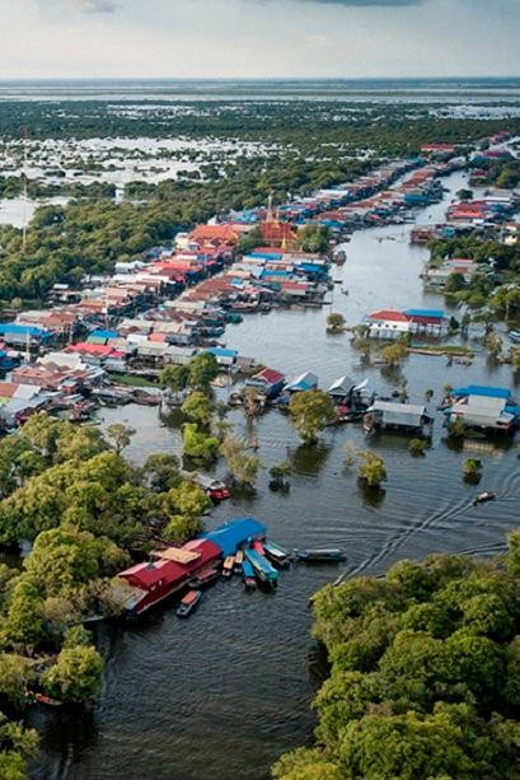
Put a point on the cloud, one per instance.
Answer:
(365, 3)
(95, 6)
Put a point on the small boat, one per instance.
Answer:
(345, 292)
(277, 554)
(239, 559)
(42, 698)
(259, 547)
(329, 555)
(483, 497)
(205, 577)
(248, 575)
(189, 603)
(263, 569)
(229, 563)
(514, 335)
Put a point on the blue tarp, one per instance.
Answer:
(482, 390)
(105, 334)
(221, 352)
(434, 313)
(12, 329)
(235, 534)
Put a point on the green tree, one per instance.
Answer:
(372, 469)
(203, 369)
(17, 746)
(174, 378)
(198, 408)
(394, 354)
(243, 468)
(15, 674)
(472, 469)
(76, 675)
(197, 445)
(310, 412)
(335, 322)
(121, 435)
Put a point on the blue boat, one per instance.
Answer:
(329, 555)
(189, 603)
(277, 554)
(263, 569)
(514, 335)
(248, 574)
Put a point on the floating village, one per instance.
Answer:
(75, 355)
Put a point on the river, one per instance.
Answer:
(226, 692)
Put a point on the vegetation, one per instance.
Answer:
(84, 508)
(472, 469)
(417, 447)
(425, 674)
(243, 467)
(310, 412)
(372, 469)
(197, 445)
(335, 322)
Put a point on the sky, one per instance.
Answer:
(258, 38)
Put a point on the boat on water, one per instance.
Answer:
(214, 488)
(514, 335)
(205, 578)
(259, 547)
(326, 555)
(265, 572)
(239, 559)
(189, 603)
(229, 564)
(248, 575)
(487, 495)
(42, 698)
(277, 554)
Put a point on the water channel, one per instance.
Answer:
(225, 693)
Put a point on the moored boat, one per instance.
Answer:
(248, 575)
(263, 569)
(239, 559)
(189, 603)
(205, 577)
(327, 555)
(277, 554)
(227, 568)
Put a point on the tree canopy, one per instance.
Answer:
(425, 674)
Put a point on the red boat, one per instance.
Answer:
(205, 577)
(258, 547)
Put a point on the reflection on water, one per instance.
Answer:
(225, 693)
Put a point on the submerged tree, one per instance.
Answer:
(472, 469)
(335, 322)
(121, 435)
(310, 412)
(243, 467)
(372, 469)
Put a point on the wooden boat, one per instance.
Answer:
(229, 563)
(483, 497)
(277, 554)
(248, 575)
(239, 559)
(189, 603)
(42, 698)
(259, 547)
(328, 555)
(263, 569)
(205, 577)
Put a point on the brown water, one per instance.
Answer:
(225, 693)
